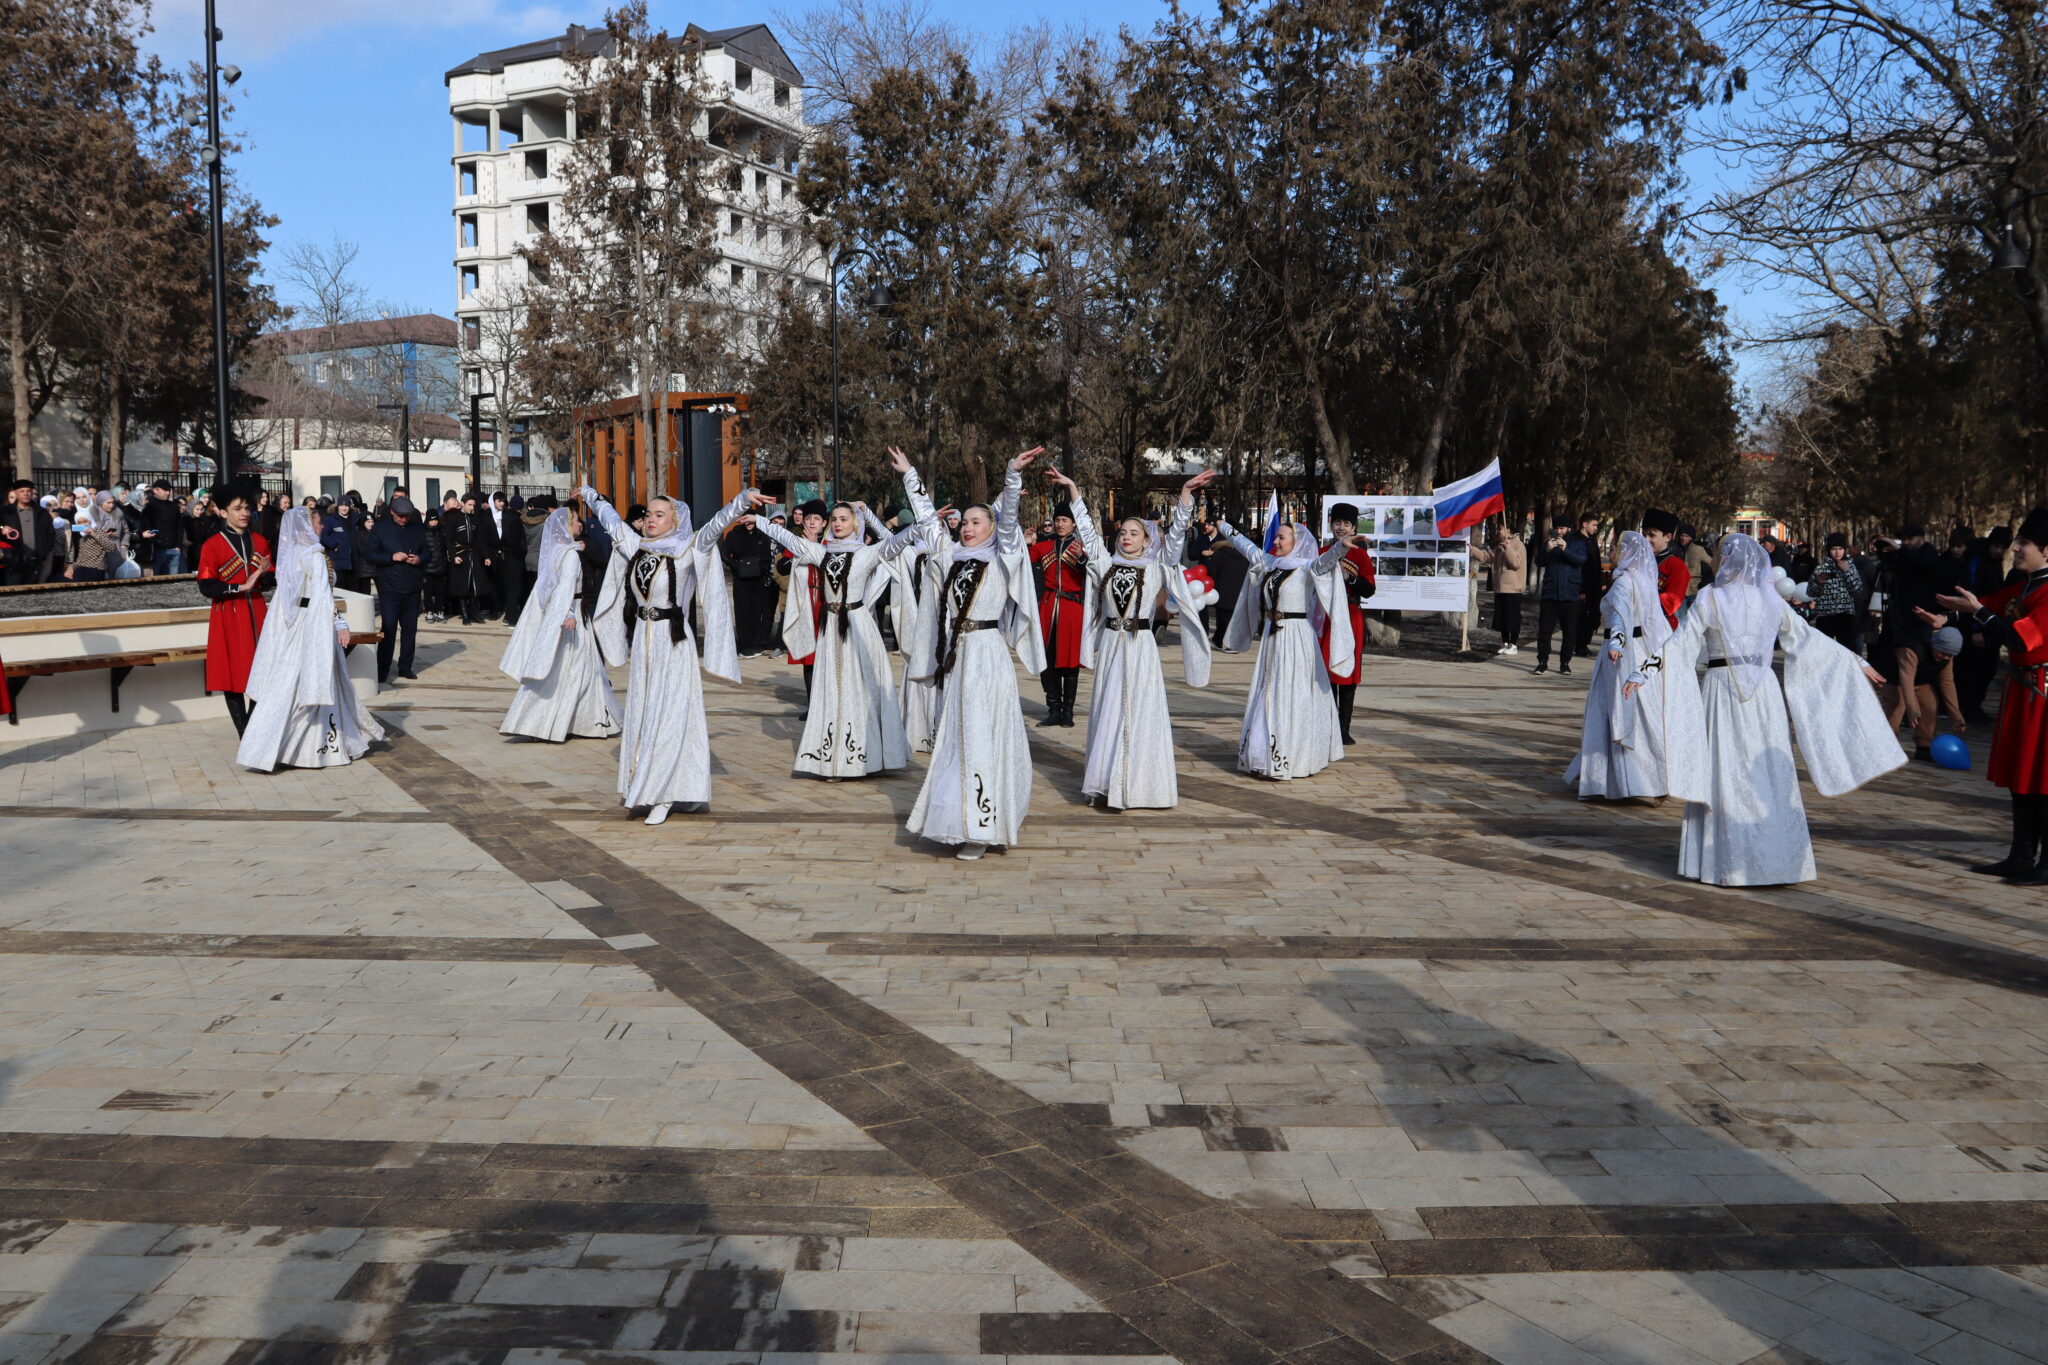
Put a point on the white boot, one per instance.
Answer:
(657, 814)
(971, 851)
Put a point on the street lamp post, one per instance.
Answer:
(404, 411)
(210, 155)
(878, 297)
(476, 438)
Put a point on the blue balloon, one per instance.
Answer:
(1951, 752)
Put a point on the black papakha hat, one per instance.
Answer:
(2035, 527)
(1657, 519)
(1344, 511)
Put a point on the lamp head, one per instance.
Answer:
(2008, 254)
(230, 73)
(880, 296)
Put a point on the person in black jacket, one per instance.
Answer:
(30, 536)
(1563, 559)
(750, 556)
(472, 558)
(510, 533)
(160, 533)
(397, 550)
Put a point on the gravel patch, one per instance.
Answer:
(69, 601)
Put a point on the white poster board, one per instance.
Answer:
(1413, 569)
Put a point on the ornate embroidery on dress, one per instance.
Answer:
(1123, 588)
(645, 567)
(982, 805)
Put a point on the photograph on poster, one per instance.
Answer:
(1422, 568)
(1450, 566)
(1390, 566)
(1393, 522)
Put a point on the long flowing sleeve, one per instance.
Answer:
(894, 543)
(1091, 540)
(1836, 719)
(1009, 535)
(1176, 539)
(624, 538)
(806, 551)
(714, 530)
(1260, 560)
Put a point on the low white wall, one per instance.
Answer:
(59, 704)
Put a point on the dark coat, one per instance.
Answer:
(469, 538)
(1564, 568)
(388, 538)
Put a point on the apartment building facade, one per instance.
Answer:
(514, 118)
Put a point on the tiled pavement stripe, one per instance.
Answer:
(1194, 1274)
(196, 813)
(1732, 907)
(1520, 1239)
(854, 944)
(360, 947)
(508, 1187)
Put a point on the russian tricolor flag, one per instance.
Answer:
(1462, 505)
(1272, 521)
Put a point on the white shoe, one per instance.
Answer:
(969, 852)
(657, 814)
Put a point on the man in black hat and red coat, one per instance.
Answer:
(1062, 566)
(235, 570)
(2015, 618)
(1359, 584)
(1660, 528)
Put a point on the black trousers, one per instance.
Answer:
(1061, 686)
(401, 614)
(511, 589)
(238, 709)
(1347, 698)
(1841, 628)
(753, 615)
(2029, 828)
(1562, 617)
(1507, 617)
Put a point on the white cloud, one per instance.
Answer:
(264, 28)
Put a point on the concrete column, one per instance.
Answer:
(492, 144)
(569, 121)
(458, 137)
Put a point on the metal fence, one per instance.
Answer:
(184, 482)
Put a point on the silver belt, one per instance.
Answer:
(656, 613)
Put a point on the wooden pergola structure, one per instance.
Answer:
(709, 454)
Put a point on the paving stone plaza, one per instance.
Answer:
(439, 1057)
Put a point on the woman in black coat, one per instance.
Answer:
(472, 553)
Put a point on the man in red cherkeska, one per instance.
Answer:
(1062, 564)
(234, 573)
(2016, 618)
(1673, 574)
(1359, 584)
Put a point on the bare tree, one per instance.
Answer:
(627, 275)
(1888, 125)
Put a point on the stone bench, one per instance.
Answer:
(67, 652)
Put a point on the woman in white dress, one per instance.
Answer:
(853, 727)
(1290, 719)
(309, 716)
(554, 654)
(1747, 827)
(978, 788)
(666, 754)
(1621, 742)
(1130, 731)
(917, 699)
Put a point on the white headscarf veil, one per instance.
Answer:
(1748, 610)
(300, 565)
(1635, 574)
